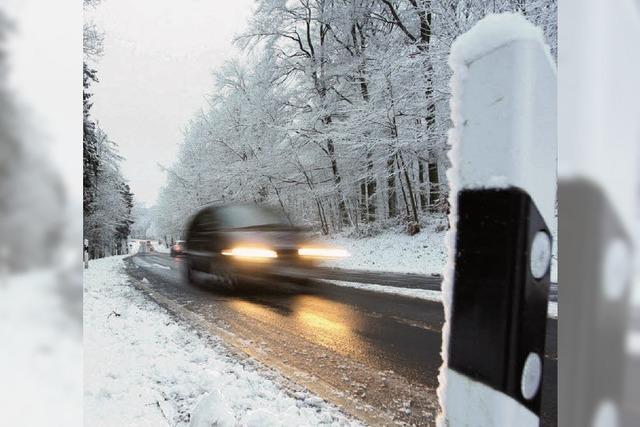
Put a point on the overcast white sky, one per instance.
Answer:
(155, 73)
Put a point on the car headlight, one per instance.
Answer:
(323, 252)
(250, 252)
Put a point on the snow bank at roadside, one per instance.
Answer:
(142, 367)
(423, 253)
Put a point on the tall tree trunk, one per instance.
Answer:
(391, 187)
(414, 209)
(363, 201)
(434, 187)
(404, 194)
(367, 205)
(368, 184)
(425, 18)
(324, 227)
(337, 180)
(367, 193)
(424, 200)
(371, 189)
(393, 157)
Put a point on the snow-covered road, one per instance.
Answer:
(352, 347)
(145, 367)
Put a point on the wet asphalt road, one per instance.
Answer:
(381, 350)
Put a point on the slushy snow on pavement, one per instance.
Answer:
(144, 367)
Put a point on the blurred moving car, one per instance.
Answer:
(248, 242)
(177, 248)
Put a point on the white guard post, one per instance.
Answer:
(503, 180)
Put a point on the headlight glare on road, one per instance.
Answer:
(323, 252)
(250, 252)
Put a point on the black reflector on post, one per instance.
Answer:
(502, 276)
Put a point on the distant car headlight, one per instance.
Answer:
(250, 252)
(323, 252)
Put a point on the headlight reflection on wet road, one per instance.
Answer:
(326, 323)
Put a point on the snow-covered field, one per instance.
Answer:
(143, 367)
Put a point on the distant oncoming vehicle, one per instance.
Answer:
(248, 242)
(177, 248)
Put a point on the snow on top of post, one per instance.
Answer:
(489, 34)
(503, 109)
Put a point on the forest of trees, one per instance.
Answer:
(107, 199)
(337, 113)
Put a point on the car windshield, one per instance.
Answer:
(252, 216)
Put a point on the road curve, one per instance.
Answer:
(377, 355)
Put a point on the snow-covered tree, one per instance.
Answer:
(107, 222)
(337, 113)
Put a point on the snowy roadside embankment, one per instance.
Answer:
(395, 251)
(144, 367)
(424, 253)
